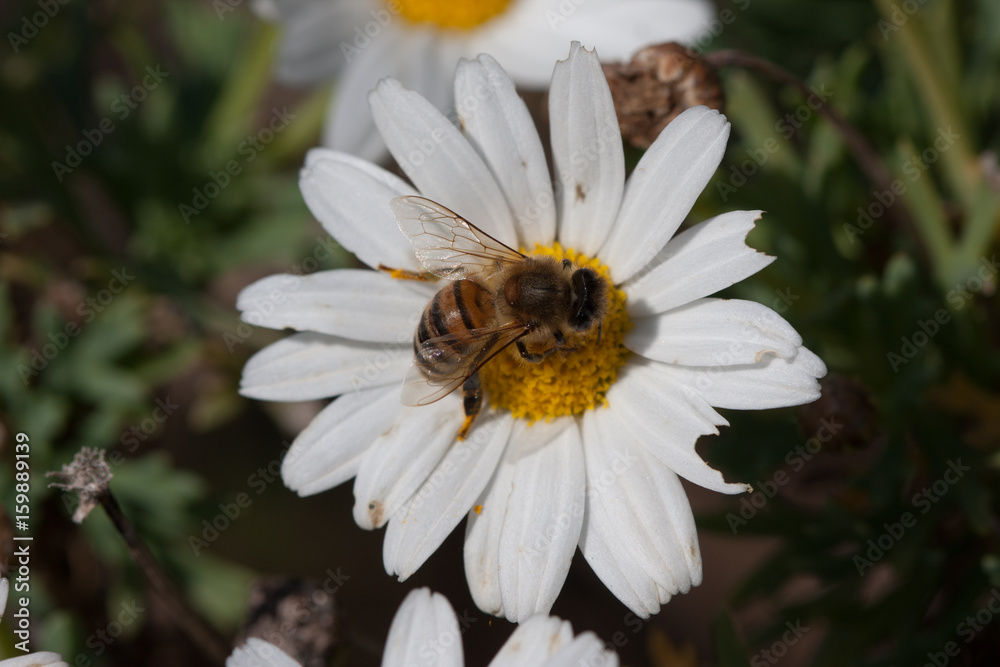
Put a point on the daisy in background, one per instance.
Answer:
(425, 633)
(419, 42)
(40, 659)
(583, 449)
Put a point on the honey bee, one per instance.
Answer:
(498, 297)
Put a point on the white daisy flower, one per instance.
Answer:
(425, 632)
(40, 659)
(582, 449)
(420, 42)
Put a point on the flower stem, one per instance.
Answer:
(930, 219)
(189, 621)
(981, 226)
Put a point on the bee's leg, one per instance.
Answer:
(406, 274)
(472, 402)
(528, 356)
(561, 342)
(533, 357)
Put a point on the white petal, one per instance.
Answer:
(353, 303)
(533, 33)
(309, 51)
(482, 538)
(544, 513)
(429, 516)
(620, 28)
(4, 590)
(349, 123)
(424, 633)
(259, 653)
(668, 418)
(350, 198)
(329, 450)
(401, 459)
(349, 127)
(617, 569)
(266, 10)
(622, 566)
(629, 494)
(527, 58)
(307, 366)
(40, 659)
(714, 332)
(439, 160)
(534, 642)
(587, 154)
(698, 262)
(772, 383)
(586, 649)
(636, 504)
(497, 124)
(663, 188)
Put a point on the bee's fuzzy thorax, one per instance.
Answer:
(576, 377)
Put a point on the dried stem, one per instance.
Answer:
(866, 156)
(190, 622)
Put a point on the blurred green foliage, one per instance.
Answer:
(858, 294)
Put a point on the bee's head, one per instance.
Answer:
(589, 299)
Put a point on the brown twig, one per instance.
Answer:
(190, 622)
(866, 156)
(87, 477)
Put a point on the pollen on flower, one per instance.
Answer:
(569, 382)
(458, 14)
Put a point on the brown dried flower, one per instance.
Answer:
(657, 85)
(87, 476)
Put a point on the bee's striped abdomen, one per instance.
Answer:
(455, 309)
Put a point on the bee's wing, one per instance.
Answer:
(447, 244)
(437, 353)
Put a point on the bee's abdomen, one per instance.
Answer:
(455, 309)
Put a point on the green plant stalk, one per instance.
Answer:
(960, 162)
(867, 158)
(302, 132)
(229, 120)
(944, 51)
(133, 47)
(982, 224)
(929, 218)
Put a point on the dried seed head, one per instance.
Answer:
(657, 85)
(87, 476)
(302, 615)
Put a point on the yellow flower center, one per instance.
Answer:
(460, 14)
(568, 382)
